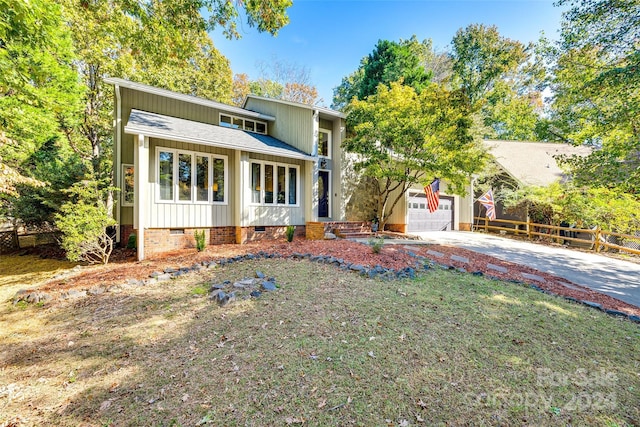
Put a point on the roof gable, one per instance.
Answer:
(532, 163)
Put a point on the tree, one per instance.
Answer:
(84, 222)
(38, 90)
(595, 79)
(401, 138)
(278, 80)
(406, 60)
(481, 57)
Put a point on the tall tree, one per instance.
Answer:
(277, 79)
(401, 138)
(596, 86)
(481, 57)
(38, 90)
(406, 60)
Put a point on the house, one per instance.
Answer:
(527, 163)
(185, 163)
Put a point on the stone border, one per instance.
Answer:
(422, 263)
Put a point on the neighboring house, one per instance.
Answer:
(186, 163)
(525, 163)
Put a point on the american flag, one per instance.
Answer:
(487, 201)
(433, 195)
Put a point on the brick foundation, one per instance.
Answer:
(249, 234)
(396, 228)
(125, 232)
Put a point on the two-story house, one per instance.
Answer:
(185, 163)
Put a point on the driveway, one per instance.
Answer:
(617, 278)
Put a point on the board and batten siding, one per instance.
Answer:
(187, 215)
(260, 215)
(294, 125)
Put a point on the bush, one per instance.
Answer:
(132, 242)
(83, 222)
(200, 240)
(291, 229)
(376, 244)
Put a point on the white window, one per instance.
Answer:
(236, 122)
(191, 177)
(274, 183)
(127, 185)
(324, 143)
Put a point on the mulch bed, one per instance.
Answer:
(397, 257)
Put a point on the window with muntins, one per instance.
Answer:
(190, 177)
(235, 122)
(127, 185)
(274, 183)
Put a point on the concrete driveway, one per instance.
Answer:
(617, 278)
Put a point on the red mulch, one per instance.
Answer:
(123, 265)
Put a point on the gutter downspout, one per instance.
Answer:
(118, 167)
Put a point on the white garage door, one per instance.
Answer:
(420, 219)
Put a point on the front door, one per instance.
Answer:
(323, 194)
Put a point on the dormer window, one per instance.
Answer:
(236, 122)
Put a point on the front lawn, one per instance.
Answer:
(327, 348)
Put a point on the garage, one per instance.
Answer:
(420, 219)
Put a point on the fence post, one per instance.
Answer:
(597, 237)
(528, 227)
(486, 224)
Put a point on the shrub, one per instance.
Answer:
(83, 222)
(291, 229)
(132, 242)
(200, 240)
(376, 244)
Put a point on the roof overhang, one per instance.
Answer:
(321, 110)
(174, 129)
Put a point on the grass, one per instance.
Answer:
(328, 348)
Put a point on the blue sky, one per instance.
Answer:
(330, 37)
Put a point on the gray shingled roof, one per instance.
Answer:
(532, 163)
(174, 129)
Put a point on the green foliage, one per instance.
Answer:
(290, 232)
(404, 138)
(609, 209)
(38, 85)
(596, 84)
(83, 222)
(376, 244)
(481, 57)
(201, 242)
(407, 60)
(132, 241)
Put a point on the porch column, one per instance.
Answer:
(312, 187)
(141, 172)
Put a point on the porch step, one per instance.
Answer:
(351, 229)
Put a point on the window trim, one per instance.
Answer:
(329, 143)
(194, 189)
(244, 126)
(275, 165)
(123, 199)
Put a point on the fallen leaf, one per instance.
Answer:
(322, 403)
(421, 403)
(370, 354)
(294, 420)
(419, 418)
(403, 423)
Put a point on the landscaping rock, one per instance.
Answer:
(269, 286)
(96, 290)
(330, 236)
(256, 294)
(592, 304)
(260, 274)
(163, 277)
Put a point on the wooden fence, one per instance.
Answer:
(12, 240)
(593, 238)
